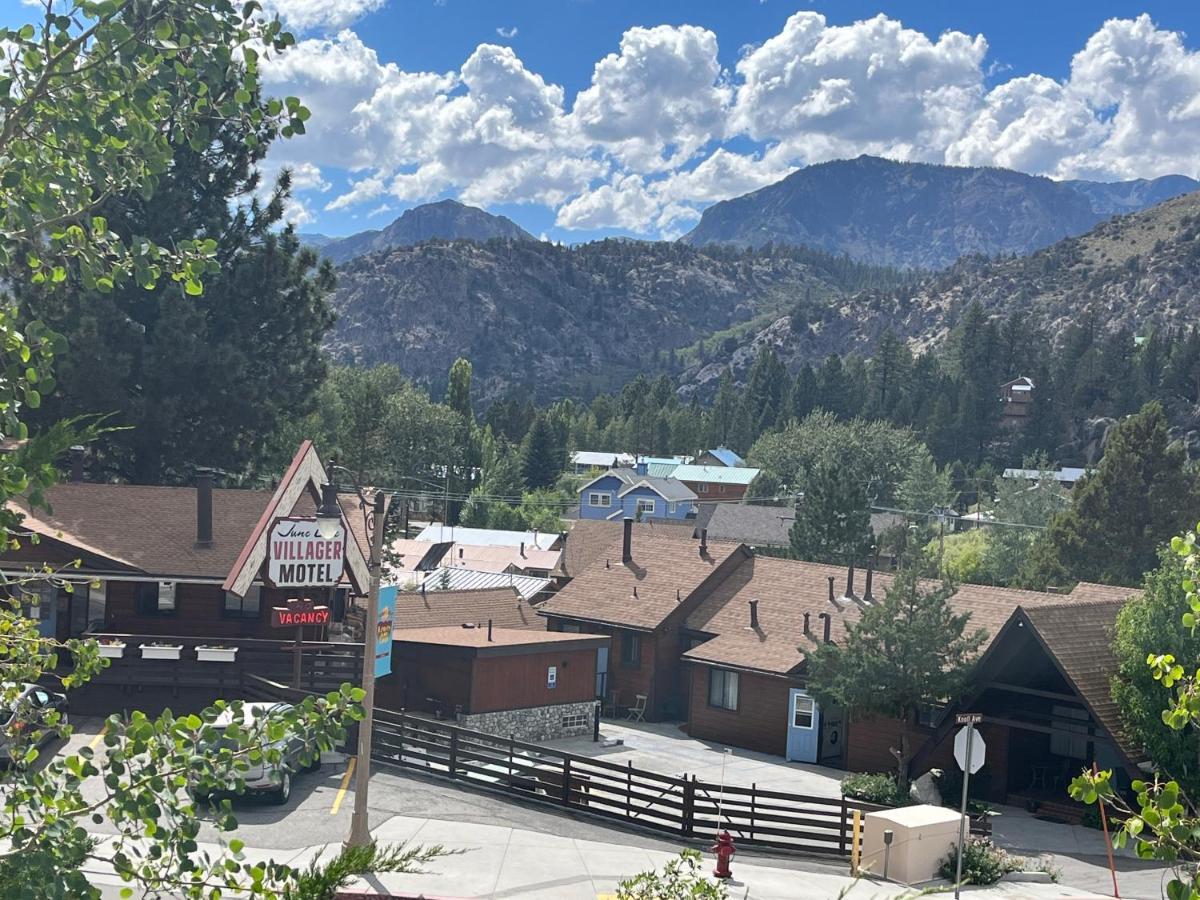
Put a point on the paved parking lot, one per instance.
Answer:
(405, 806)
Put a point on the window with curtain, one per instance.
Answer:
(723, 689)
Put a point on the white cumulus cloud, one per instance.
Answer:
(305, 15)
(661, 129)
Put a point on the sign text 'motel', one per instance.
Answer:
(297, 555)
(299, 612)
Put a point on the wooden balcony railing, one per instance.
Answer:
(324, 664)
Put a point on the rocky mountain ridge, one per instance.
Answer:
(918, 215)
(446, 220)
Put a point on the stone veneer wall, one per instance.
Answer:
(537, 723)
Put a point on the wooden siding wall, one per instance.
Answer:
(519, 681)
(656, 675)
(199, 612)
(760, 721)
(716, 490)
(426, 678)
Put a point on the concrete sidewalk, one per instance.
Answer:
(498, 862)
(492, 861)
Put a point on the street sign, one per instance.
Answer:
(969, 750)
(969, 741)
(968, 718)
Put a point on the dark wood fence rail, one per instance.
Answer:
(678, 805)
(325, 665)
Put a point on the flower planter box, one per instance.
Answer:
(112, 651)
(216, 654)
(171, 652)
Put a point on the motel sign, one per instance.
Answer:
(297, 555)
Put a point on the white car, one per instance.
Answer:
(263, 777)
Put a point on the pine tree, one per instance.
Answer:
(803, 396)
(1140, 496)
(906, 650)
(833, 521)
(541, 458)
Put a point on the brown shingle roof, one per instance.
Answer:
(664, 570)
(457, 636)
(785, 589)
(589, 538)
(1087, 590)
(504, 606)
(1079, 635)
(149, 527)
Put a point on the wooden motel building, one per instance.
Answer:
(709, 634)
(164, 570)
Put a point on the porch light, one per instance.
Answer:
(329, 514)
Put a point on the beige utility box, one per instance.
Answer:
(922, 836)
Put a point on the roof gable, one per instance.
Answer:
(304, 476)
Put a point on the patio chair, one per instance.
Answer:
(637, 712)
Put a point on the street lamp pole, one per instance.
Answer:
(360, 834)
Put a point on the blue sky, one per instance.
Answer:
(581, 118)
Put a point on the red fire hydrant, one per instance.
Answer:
(724, 849)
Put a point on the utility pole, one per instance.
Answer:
(360, 834)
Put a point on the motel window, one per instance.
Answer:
(723, 689)
(35, 601)
(802, 711)
(645, 506)
(156, 598)
(631, 649)
(598, 499)
(244, 607)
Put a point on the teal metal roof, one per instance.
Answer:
(715, 474)
(661, 469)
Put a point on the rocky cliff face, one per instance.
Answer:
(1132, 272)
(565, 320)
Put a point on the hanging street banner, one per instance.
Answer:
(383, 631)
(299, 612)
(297, 555)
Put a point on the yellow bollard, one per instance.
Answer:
(854, 842)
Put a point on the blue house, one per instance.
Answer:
(626, 492)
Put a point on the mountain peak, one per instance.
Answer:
(921, 215)
(447, 220)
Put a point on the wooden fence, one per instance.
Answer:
(674, 804)
(324, 665)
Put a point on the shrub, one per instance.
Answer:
(875, 787)
(681, 877)
(983, 863)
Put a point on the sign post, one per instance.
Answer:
(298, 613)
(969, 750)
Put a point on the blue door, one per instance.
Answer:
(803, 734)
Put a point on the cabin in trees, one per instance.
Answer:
(164, 560)
(717, 637)
(1016, 398)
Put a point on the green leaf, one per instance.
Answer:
(163, 29)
